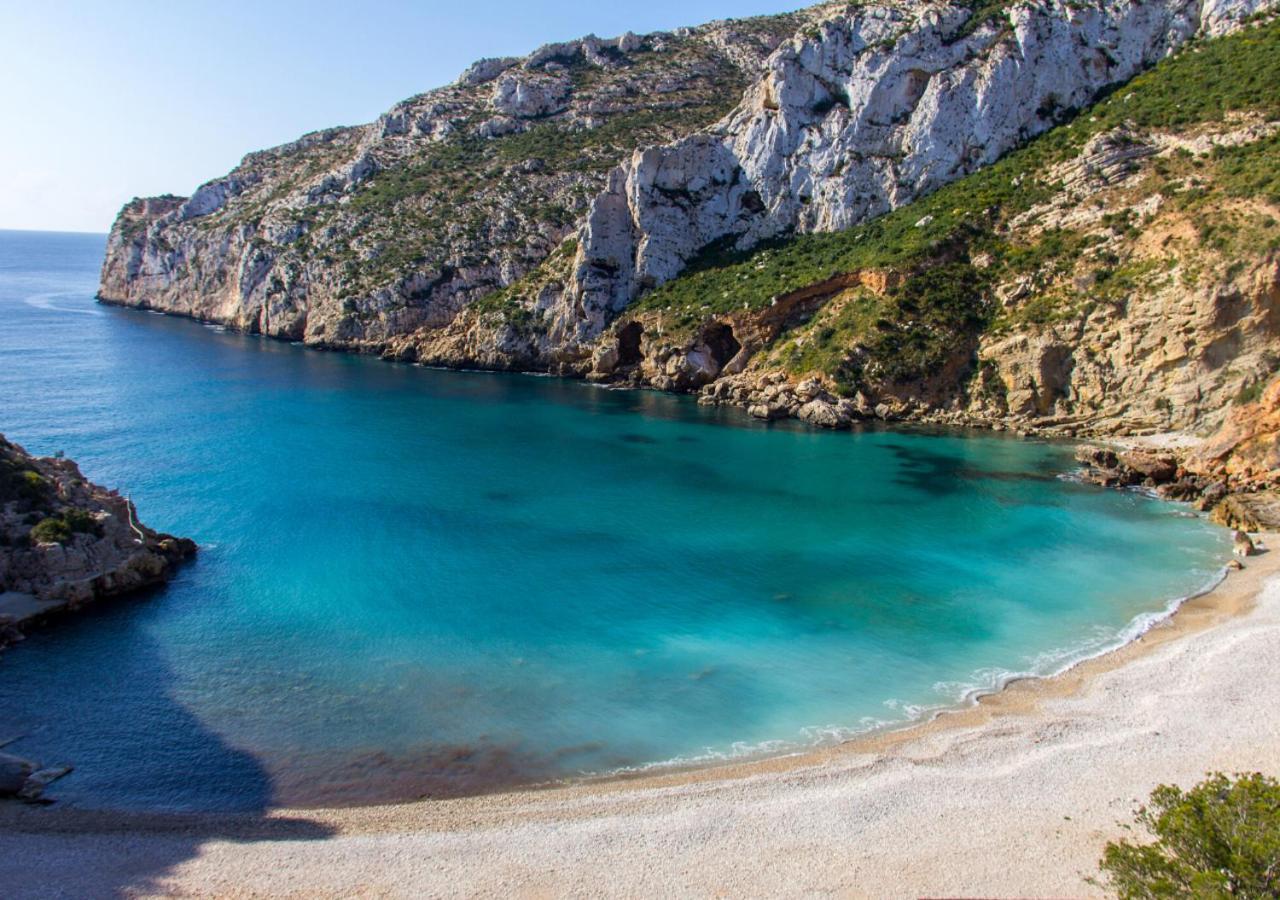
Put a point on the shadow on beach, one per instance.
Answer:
(74, 847)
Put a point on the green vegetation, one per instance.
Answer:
(51, 531)
(1219, 839)
(512, 305)
(964, 220)
(984, 11)
(1252, 393)
(59, 529)
(410, 218)
(1250, 170)
(21, 483)
(907, 334)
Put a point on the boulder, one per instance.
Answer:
(1211, 496)
(1259, 511)
(767, 411)
(1242, 544)
(14, 772)
(823, 414)
(605, 360)
(1158, 467)
(1182, 491)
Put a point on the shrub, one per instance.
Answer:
(20, 483)
(1219, 839)
(51, 531)
(81, 522)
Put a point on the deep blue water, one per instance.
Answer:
(421, 582)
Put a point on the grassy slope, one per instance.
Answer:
(905, 333)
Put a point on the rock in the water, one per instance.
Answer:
(823, 414)
(14, 772)
(39, 780)
(1183, 491)
(1211, 496)
(1155, 467)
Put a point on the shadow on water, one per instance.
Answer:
(74, 848)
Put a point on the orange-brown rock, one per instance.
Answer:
(1245, 448)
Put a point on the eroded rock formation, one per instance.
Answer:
(66, 542)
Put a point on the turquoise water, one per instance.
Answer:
(417, 582)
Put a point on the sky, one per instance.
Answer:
(105, 100)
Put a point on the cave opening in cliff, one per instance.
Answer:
(629, 344)
(721, 342)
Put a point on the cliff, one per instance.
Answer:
(66, 542)
(1042, 215)
(351, 236)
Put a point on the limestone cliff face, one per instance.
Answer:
(349, 237)
(858, 114)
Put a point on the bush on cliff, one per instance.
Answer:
(51, 531)
(1219, 839)
(59, 529)
(20, 483)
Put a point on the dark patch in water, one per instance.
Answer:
(941, 473)
(499, 496)
(1004, 475)
(924, 470)
(637, 439)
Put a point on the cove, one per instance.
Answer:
(425, 583)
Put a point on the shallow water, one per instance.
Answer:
(417, 582)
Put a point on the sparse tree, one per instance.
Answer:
(1219, 839)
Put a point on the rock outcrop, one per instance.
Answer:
(66, 542)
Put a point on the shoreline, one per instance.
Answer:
(1230, 594)
(875, 736)
(1230, 599)
(1071, 431)
(1046, 766)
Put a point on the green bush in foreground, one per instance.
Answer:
(1219, 839)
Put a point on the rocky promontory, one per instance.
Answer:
(66, 542)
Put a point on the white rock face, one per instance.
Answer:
(526, 95)
(862, 114)
(485, 70)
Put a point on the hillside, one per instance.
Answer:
(350, 236)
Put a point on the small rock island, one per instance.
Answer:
(66, 542)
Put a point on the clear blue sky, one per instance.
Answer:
(104, 100)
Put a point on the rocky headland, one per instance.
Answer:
(66, 542)
(1057, 218)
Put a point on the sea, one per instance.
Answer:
(417, 583)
